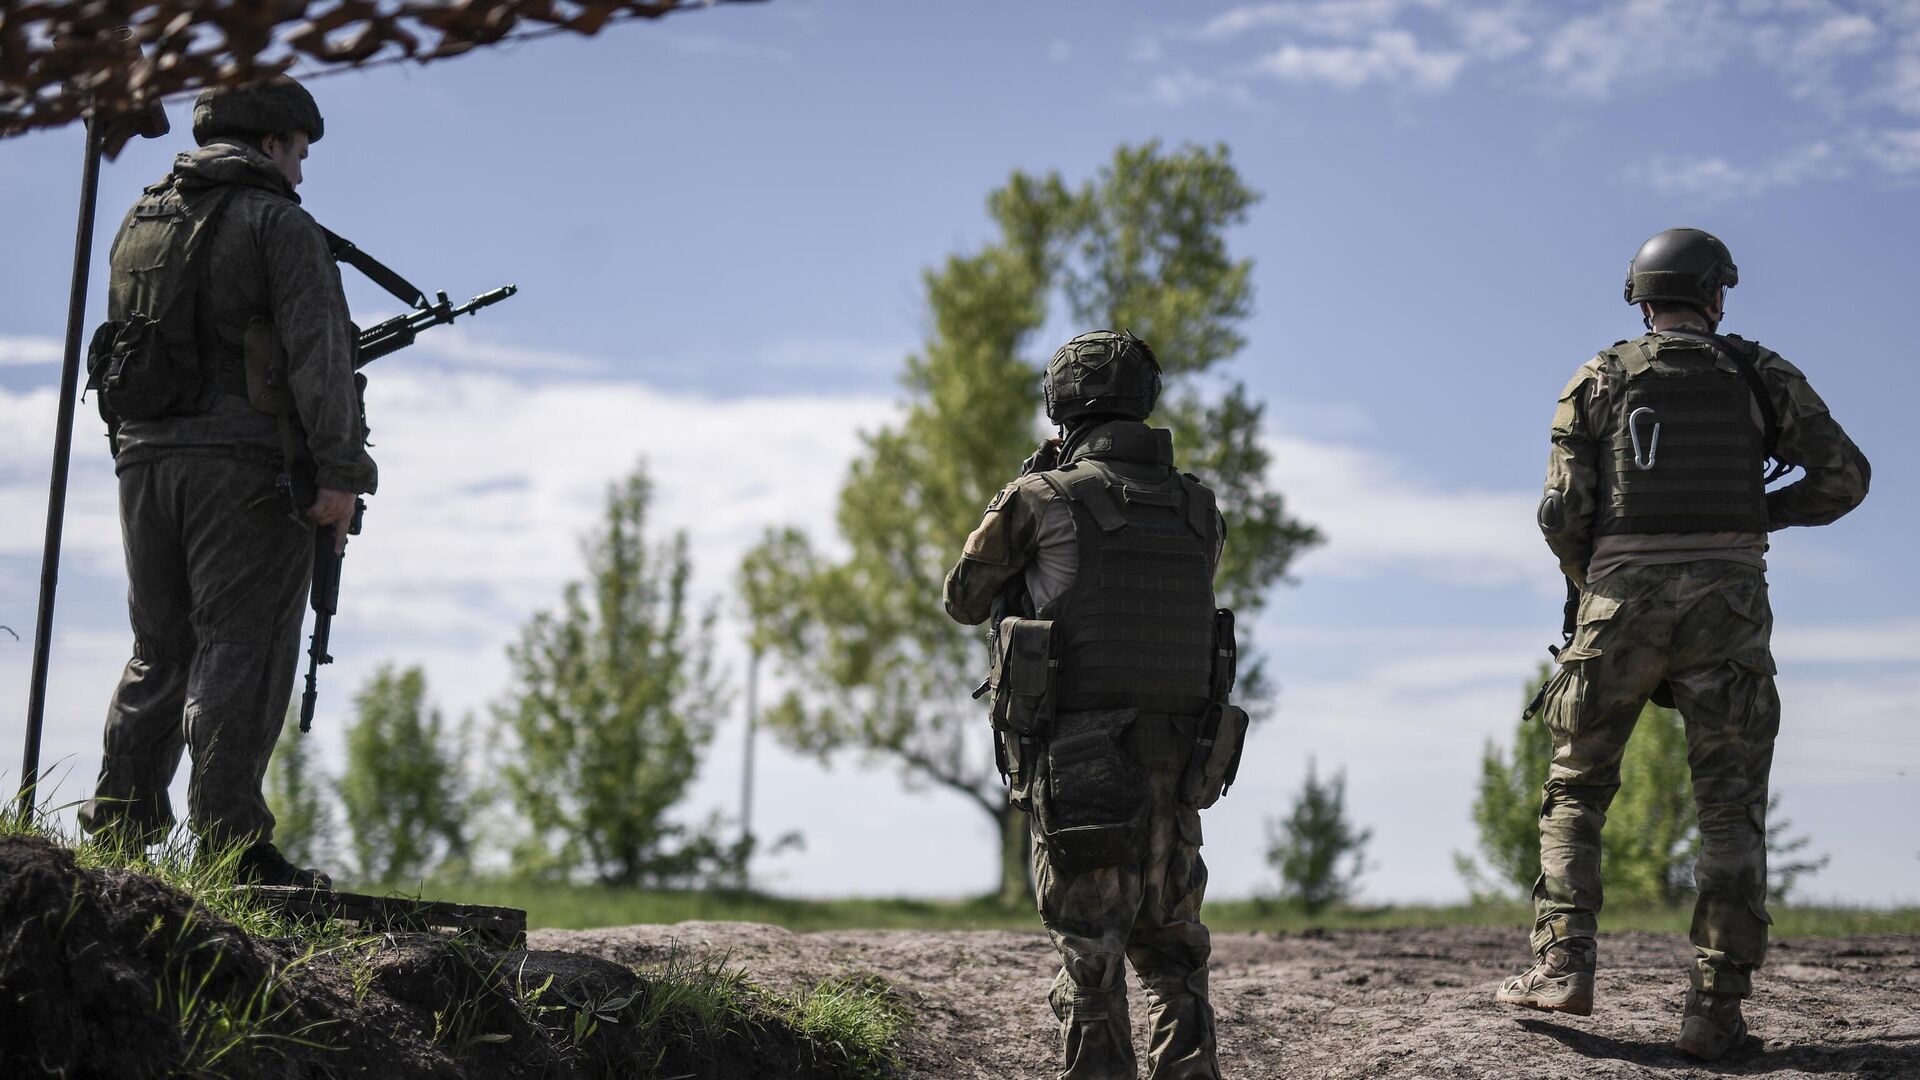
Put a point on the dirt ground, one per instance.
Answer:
(1354, 1004)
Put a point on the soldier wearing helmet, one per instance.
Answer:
(218, 499)
(1111, 672)
(1658, 509)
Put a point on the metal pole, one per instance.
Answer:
(746, 771)
(62, 451)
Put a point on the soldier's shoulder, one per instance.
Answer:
(1030, 489)
(1764, 359)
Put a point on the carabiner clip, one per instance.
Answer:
(1643, 460)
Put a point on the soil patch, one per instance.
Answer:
(1354, 1004)
(111, 975)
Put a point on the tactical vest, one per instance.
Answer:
(157, 292)
(1135, 629)
(1681, 452)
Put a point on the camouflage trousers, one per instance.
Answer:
(217, 580)
(1148, 912)
(1703, 627)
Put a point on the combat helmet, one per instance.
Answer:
(1102, 373)
(1682, 266)
(270, 107)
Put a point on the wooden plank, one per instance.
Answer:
(503, 927)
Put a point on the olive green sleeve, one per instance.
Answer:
(1000, 548)
(1837, 473)
(310, 310)
(1567, 506)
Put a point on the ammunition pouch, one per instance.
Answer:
(1090, 797)
(136, 374)
(1023, 678)
(1222, 732)
(1226, 657)
(1215, 761)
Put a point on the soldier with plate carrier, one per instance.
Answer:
(1657, 508)
(1111, 671)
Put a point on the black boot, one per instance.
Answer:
(263, 864)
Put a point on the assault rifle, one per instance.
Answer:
(325, 599)
(376, 341)
(400, 331)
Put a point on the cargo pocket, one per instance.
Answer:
(1188, 822)
(1568, 705)
(1091, 797)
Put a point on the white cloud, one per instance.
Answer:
(1393, 57)
(1322, 18)
(1380, 519)
(1897, 152)
(1852, 64)
(1716, 177)
(16, 350)
(1184, 87)
(1639, 40)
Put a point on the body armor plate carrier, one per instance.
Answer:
(1683, 452)
(1136, 628)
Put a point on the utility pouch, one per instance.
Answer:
(135, 374)
(1090, 797)
(1216, 756)
(1022, 680)
(1021, 757)
(1226, 657)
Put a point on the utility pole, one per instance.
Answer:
(746, 767)
(62, 454)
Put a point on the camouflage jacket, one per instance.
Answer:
(1836, 472)
(1028, 527)
(268, 257)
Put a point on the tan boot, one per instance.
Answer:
(1561, 980)
(1711, 1025)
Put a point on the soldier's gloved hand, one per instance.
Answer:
(1045, 459)
(333, 507)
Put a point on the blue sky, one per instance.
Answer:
(718, 223)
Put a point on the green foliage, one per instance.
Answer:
(404, 793)
(1652, 836)
(1315, 849)
(878, 669)
(299, 794)
(1506, 812)
(615, 701)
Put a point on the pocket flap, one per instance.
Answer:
(1597, 608)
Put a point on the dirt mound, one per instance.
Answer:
(110, 974)
(1364, 1005)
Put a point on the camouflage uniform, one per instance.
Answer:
(1147, 909)
(1686, 608)
(216, 567)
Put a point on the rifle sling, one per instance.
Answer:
(344, 250)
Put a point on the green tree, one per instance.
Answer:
(1315, 849)
(1652, 836)
(876, 668)
(615, 700)
(299, 793)
(404, 792)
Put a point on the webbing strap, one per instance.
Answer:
(344, 250)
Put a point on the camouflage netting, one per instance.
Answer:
(60, 58)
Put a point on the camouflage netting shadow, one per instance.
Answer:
(59, 59)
